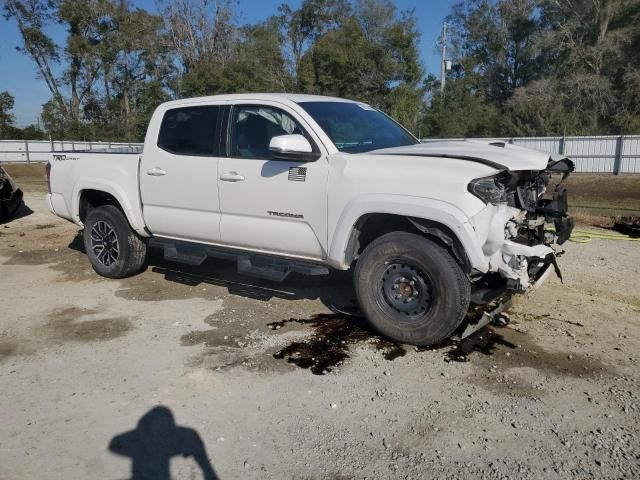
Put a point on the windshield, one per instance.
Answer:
(356, 127)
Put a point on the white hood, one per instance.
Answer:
(495, 152)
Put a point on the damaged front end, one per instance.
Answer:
(526, 214)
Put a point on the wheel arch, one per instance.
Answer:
(93, 194)
(434, 219)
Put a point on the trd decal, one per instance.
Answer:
(62, 158)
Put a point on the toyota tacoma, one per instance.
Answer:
(287, 183)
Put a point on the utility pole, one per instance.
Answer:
(443, 65)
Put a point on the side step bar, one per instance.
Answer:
(267, 267)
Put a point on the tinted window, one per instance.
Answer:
(356, 127)
(189, 131)
(253, 128)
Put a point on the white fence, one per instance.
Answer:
(619, 154)
(34, 151)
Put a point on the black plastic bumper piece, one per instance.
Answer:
(564, 227)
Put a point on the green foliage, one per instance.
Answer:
(6, 117)
(541, 67)
(7, 129)
(521, 67)
(257, 65)
(371, 55)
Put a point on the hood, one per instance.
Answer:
(497, 154)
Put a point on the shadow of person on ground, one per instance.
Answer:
(153, 443)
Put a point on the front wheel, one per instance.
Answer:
(411, 289)
(113, 248)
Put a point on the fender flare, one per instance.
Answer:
(407, 206)
(133, 214)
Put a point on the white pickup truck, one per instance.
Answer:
(298, 183)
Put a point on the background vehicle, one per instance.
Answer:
(10, 196)
(301, 183)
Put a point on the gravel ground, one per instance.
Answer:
(196, 371)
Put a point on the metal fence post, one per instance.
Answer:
(617, 163)
(26, 150)
(561, 145)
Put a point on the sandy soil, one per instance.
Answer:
(94, 374)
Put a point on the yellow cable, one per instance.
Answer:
(584, 236)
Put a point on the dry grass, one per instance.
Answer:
(29, 177)
(593, 199)
(604, 199)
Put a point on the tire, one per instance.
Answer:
(107, 226)
(424, 312)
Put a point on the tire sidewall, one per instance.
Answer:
(450, 288)
(115, 219)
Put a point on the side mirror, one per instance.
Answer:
(292, 147)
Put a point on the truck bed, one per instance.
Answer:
(113, 171)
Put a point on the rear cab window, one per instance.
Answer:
(191, 131)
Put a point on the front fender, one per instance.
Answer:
(409, 206)
(132, 211)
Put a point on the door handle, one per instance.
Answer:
(231, 177)
(156, 172)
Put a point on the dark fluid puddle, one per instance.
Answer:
(483, 341)
(335, 334)
(329, 345)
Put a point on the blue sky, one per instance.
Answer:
(18, 73)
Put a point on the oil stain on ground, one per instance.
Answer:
(329, 345)
(71, 264)
(7, 349)
(71, 325)
(335, 335)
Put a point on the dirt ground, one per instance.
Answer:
(204, 373)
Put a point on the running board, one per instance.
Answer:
(267, 267)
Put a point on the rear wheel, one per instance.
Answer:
(411, 289)
(113, 248)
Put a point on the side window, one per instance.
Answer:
(253, 127)
(190, 131)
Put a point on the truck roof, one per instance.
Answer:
(292, 97)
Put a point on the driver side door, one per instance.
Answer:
(270, 205)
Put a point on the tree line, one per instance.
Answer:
(520, 67)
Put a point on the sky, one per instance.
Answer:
(18, 73)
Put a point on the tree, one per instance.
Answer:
(302, 27)
(256, 64)
(593, 47)
(132, 55)
(82, 19)
(498, 40)
(370, 58)
(463, 110)
(6, 117)
(202, 30)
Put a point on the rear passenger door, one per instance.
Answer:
(179, 174)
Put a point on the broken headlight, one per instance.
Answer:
(489, 189)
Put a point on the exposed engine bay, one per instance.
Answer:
(526, 215)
